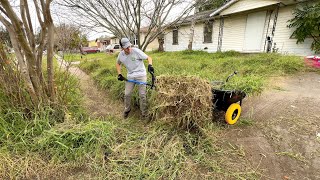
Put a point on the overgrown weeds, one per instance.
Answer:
(254, 69)
(73, 142)
(164, 152)
(21, 126)
(78, 147)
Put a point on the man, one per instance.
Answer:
(132, 59)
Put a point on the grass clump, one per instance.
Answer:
(153, 155)
(76, 141)
(182, 100)
(17, 133)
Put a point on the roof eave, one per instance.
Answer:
(228, 4)
(189, 22)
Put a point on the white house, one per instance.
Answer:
(248, 26)
(205, 37)
(153, 45)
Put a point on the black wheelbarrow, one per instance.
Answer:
(228, 101)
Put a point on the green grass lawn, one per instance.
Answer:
(254, 69)
(79, 57)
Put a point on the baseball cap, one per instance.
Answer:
(125, 43)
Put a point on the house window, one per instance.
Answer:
(207, 32)
(175, 36)
(135, 42)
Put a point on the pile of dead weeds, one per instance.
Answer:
(183, 101)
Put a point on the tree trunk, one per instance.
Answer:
(23, 40)
(19, 35)
(161, 42)
(138, 38)
(193, 22)
(23, 66)
(39, 56)
(50, 68)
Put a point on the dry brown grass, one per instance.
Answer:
(32, 166)
(184, 101)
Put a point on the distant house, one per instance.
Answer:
(102, 43)
(154, 45)
(247, 26)
(114, 40)
(143, 32)
(92, 43)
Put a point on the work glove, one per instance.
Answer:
(121, 78)
(150, 68)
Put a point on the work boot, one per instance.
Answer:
(126, 114)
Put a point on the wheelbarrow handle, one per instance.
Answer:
(234, 73)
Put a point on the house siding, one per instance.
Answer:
(235, 27)
(245, 5)
(92, 43)
(168, 40)
(282, 38)
(154, 45)
(234, 33)
(114, 41)
(198, 39)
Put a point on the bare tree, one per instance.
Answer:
(4, 36)
(69, 37)
(125, 18)
(28, 53)
(193, 23)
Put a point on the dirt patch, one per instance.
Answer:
(97, 102)
(283, 140)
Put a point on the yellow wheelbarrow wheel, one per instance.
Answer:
(233, 113)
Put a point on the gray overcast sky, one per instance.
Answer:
(63, 15)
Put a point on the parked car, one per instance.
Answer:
(114, 48)
(313, 61)
(88, 50)
(108, 48)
